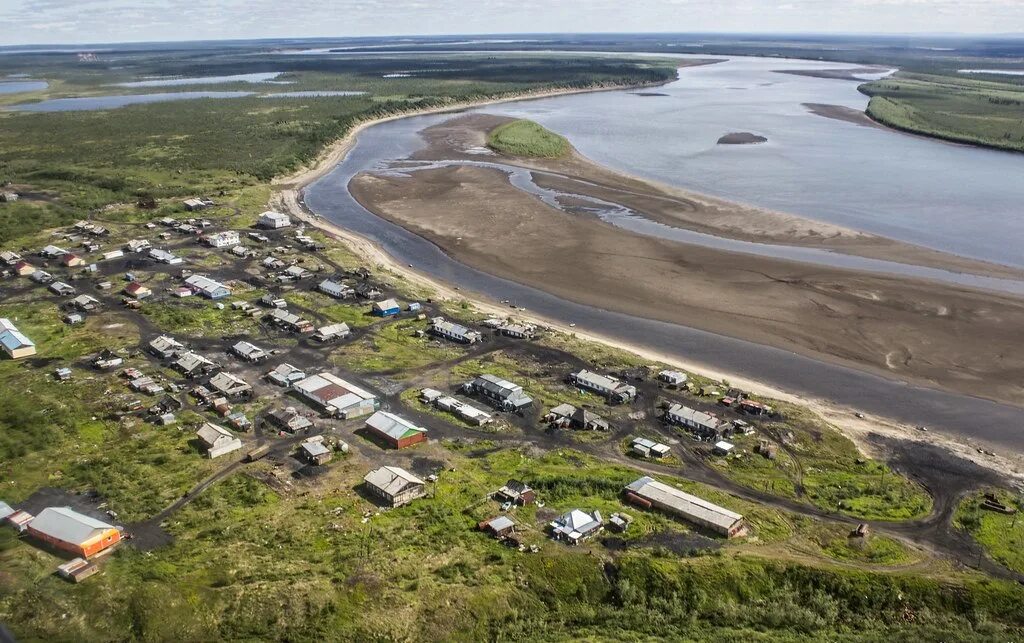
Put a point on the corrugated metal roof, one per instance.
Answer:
(67, 525)
(394, 426)
(684, 503)
(391, 480)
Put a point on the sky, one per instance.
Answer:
(98, 21)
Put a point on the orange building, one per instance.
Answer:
(66, 529)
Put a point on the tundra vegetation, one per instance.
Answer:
(527, 138)
(274, 551)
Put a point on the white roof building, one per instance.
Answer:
(337, 396)
(14, 342)
(217, 440)
(274, 220)
(394, 485)
(697, 510)
(577, 525)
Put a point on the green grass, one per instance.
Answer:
(1001, 535)
(393, 347)
(965, 110)
(527, 138)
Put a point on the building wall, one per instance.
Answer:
(89, 548)
(411, 440)
(20, 353)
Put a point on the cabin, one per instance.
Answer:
(164, 256)
(723, 448)
(137, 290)
(501, 393)
(560, 415)
(62, 289)
(71, 260)
(165, 346)
(207, 287)
(518, 331)
(576, 526)
(9, 258)
(138, 245)
(386, 308)
(14, 342)
(273, 220)
(698, 511)
(24, 269)
(455, 332)
(585, 420)
(52, 252)
(395, 430)
(231, 386)
(649, 448)
(673, 378)
(289, 419)
(500, 527)
(394, 486)
(516, 492)
(196, 204)
(332, 333)
(217, 440)
(460, 409)
(314, 452)
(335, 289)
(289, 321)
(85, 303)
(286, 375)
(610, 388)
(336, 396)
(192, 364)
(249, 352)
(73, 532)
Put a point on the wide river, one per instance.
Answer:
(954, 198)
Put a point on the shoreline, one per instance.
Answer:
(287, 196)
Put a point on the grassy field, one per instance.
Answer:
(1001, 535)
(527, 138)
(964, 110)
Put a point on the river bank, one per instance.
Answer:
(288, 197)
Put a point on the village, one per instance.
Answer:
(299, 380)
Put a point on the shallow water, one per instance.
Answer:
(203, 80)
(87, 103)
(17, 86)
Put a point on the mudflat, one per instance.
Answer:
(945, 336)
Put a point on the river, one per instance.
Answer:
(798, 143)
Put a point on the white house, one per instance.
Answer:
(217, 440)
(225, 239)
(274, 220)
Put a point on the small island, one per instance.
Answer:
(528, 139)
(741, 138)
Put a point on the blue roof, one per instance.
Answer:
(13, 340)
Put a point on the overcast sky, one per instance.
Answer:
(93, 21)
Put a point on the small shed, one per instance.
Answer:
(499, 526)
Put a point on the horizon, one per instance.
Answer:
(78, 22)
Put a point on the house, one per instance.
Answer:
(138, 245)
(70, 531)
(293, 273)
(314, 452)
(367, 291)
(332, 333)
(336, 396)
(71, 261)
(62, 289)
(249, 352)
(335, 289)
(649, 448)
(395, 430)
(619, 522)
(85, 303)
(73, 318)
(673, 378)
(52, 252)
(501, 393)
(273, 220)
(196, 204)
(14, 342)
(500, 527)
(576, 526)
(587, 421)
(752, 407)
(286, 375)
(723, 448)
(289, 321)
(225, 239)
(192, 364)
(113, 254)
(518, 331)
(270, 300)
(164, 256)
(455, 332)
(41, 277)
(394, 486)
(217, 440)
(231, 386)
(651, 493)
(516, 492)
(560, 415)
(704, 425)
(289, 420)
(77, 569)
(612, 389)
(207, 287)
(137, 290)
(457, 407)
(106, 359)
(23, 268)
(9, 258)
(165, 346)
(386, 308)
